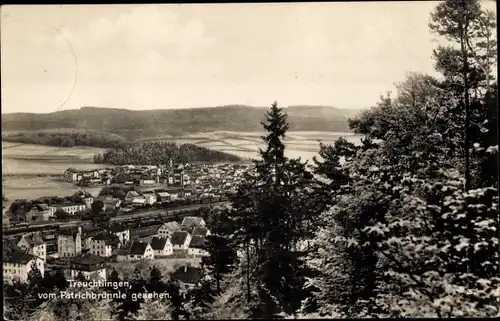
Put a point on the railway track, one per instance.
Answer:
(134, 218)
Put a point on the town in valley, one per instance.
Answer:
(153, 212)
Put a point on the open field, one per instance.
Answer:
(31, 187)
(31, 171)
(246, 144)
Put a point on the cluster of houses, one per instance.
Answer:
(151, 184)
(39, 212)
(86, 250)
(203, 178)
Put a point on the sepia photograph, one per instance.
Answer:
(285, 160)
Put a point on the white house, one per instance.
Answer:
(136, 252)
(164, 196)
(39, 212)
(5, 216)
(69, 242)
(180, 240)
(88, 202)
(122, 232)
(91, 266)
(111, 204)
(72, 208)
(139, 201)
(131, 195)
(17, 265)
(34, 245)
(167, 229)
(192, 221)
(147, 182)
(161, 246)
(150, 198)
(196, 246)
(103, 244)
(188, 277)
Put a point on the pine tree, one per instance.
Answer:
(272, 220)
(114, 276)
(176, 299)
(137, 285)
(155, 283)
(58, 280)
(222, 255)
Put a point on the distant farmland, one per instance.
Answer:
(31, 171)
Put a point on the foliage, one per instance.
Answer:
(222, 257)
(75, 308)
(67, 138)
(162, 123)
(272, 216)
(149, 153)
(154, 310)
(97, 207)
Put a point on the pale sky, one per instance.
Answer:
(178, 56)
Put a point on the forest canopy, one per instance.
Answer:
(72, 138)
(150, 153)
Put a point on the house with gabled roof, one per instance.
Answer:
(161, 246)
(180, 240)
(33, 244)
(167, 229)
(121, 231)
(69, 242)
(196, 246)
(39, 212)
(201, 231)
(188, 276)
(137, 251)
(111, 203)
(17, 264)
(104, 244)
(192, 221)
(131, 195)
(91, 266)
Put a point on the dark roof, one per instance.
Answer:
(137, 247)
(87, 259)
(197, 241)
(68, 231)
(90, 230)
(187, 274)
(109, 239)
(41, 207)
(117, 228)
(203, 231)
(121, 251)
(179, 237)
(16, 256)
(158, 243)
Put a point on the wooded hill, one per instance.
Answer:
(153, 123)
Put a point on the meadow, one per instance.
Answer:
(246, 144)
(32, 171)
